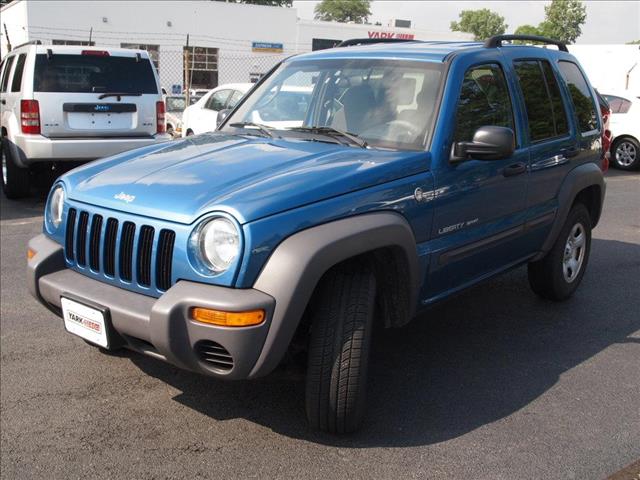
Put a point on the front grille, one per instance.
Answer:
(214, 354)
(107, 244)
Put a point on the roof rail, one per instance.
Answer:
(368, 41)
(32, 42)
(496, 41)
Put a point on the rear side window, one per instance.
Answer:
(16, 83)
(580, 95)
(484, 100)
(5, 74)
(93, 73)
(545, 111)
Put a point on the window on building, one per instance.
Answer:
(484, 100)
(203, 67)
(580, 95)
(545, 111)
(153, 50)
(80, 43)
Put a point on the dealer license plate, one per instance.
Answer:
(84, 321)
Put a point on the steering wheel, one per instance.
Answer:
(396, 129)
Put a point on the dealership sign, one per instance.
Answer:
(400, 36)
(267, 47)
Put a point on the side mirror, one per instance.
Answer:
(489, 143)
(222, 115)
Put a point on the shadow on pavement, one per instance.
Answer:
(467, 362)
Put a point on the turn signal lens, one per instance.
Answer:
(30, 253)
(227, 319)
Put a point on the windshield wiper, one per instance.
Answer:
(119, 94)
(264, 129)
(333, 132)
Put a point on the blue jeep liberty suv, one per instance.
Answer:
(350, 187)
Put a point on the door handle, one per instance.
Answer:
(514, 169)
(3, 101)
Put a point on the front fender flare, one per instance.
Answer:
(296, 266)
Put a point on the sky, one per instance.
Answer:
(610, 21)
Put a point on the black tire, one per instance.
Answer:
(628, 146)
(342, 322)
(15, 180)
(547, 276)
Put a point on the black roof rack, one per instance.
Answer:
(368, 41)
(496, 41)
(32, 42)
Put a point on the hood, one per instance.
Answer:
(245, 176)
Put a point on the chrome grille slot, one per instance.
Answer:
(164, 256)
(81, 239)
(109, 256)
(126, 250)
(68, 239)
(94, 243)
(145, 247)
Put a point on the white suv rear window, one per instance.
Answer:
(93, 74)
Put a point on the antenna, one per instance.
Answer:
(6, 34)
(90, 35)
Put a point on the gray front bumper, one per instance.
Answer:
(159, 327)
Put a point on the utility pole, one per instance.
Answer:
(186, 72)
(6, 34)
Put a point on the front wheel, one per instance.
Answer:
(626, 153)
(342, 320)
(558, 274)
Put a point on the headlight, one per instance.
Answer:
(217, 243)
(56, 204)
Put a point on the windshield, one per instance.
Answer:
(387, 103)
(93, 73)
(176, 104)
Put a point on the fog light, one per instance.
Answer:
(30, 253)
(227, 319)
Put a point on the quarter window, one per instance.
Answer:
(580, 95)
(546, 115)
(484, 100)
(16, 83)
(5, 74)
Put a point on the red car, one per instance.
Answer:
(607, 136)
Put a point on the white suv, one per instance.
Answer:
(74, 104)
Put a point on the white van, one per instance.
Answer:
(71, 104)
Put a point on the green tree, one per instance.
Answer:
(563, 20)
(481, 23)
(356, 11)
(634, 42)
(270, 3)
(528, 30)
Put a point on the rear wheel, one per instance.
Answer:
(15, 180)
(558, 274)
(626, 153)
(342, 320)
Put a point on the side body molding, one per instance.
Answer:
(296, 266)
(581, 177)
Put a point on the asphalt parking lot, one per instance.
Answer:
(494, 384)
